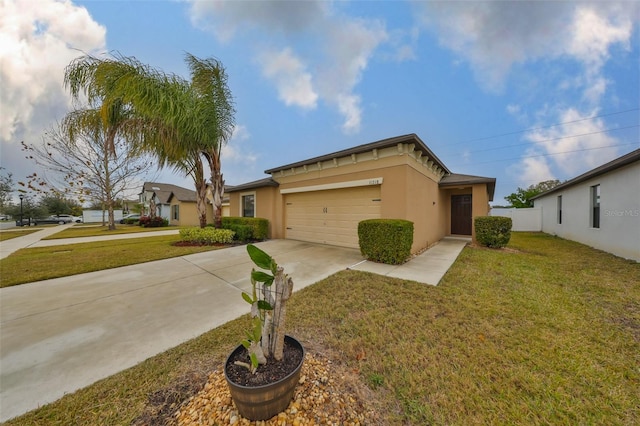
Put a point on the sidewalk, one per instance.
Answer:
(60, 335)
(36, 239)
(10, 246)
(63, 241)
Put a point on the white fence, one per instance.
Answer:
(529, 219)
(96, 216)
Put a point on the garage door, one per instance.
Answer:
(330, 216)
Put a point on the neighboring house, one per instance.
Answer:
(600, 208)
(323, 199)
(130, 206)
(174, 203)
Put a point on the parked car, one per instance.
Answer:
(76, 219)
(59, 219)
(25, 222)
(133, 216)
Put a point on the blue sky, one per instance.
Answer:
(519, 91)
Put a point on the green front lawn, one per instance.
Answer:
(544, 332)
(7, 235)
(41, 263)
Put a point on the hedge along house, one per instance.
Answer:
(323, 199)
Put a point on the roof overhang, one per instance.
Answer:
(411, 138)
(267, 182)
(458, 180)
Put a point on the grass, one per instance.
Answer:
(546, 332)
(98, 231)
(41, 263)
(7, 235)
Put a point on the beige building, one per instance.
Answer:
(176, 204)
(323, 199)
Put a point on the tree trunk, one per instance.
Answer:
(217, 184)
(283, 289)
(112, 221)
(218, 194)
(201, 204)
(201, 191)
(108, 192)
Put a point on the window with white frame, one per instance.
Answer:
(175, 212)
(248, 205)
(595, 206)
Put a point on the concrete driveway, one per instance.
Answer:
(60, 335)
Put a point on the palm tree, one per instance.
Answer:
(179, 121)
(209, 82)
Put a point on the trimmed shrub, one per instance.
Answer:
(493, 231)
(386, 240)
(243, 233)
(155, 222)
(247, 228)
(206, 235)
(131, 221)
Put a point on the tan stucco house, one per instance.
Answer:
(175, 203)
(323, 199)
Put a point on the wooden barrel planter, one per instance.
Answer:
(265, 401)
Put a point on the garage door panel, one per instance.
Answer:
(331, 216)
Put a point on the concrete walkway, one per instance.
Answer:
(36, 239)
(59, 335)
(63, 241)
(427, 268)
(10, 246)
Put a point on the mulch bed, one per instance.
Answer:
(195, 244)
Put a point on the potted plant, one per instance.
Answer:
(263, 371)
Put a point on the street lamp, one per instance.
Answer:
(21, 219)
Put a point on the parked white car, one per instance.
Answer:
(59, 219)
(74, 219)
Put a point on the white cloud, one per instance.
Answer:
(498, 38)
(225, 18)
(403, 44)
(595, 30)
(495, 36)
(517, 112)
(37, 40)
(349, 45)
(578, 145)
(349, 107)
(239, 161)
(290, 77)
(591, 37)
(531, 170)
(234, 150)
(302, 79)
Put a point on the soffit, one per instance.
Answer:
(409, 145)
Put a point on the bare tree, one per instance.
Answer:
(87, 165)
(6, 189)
